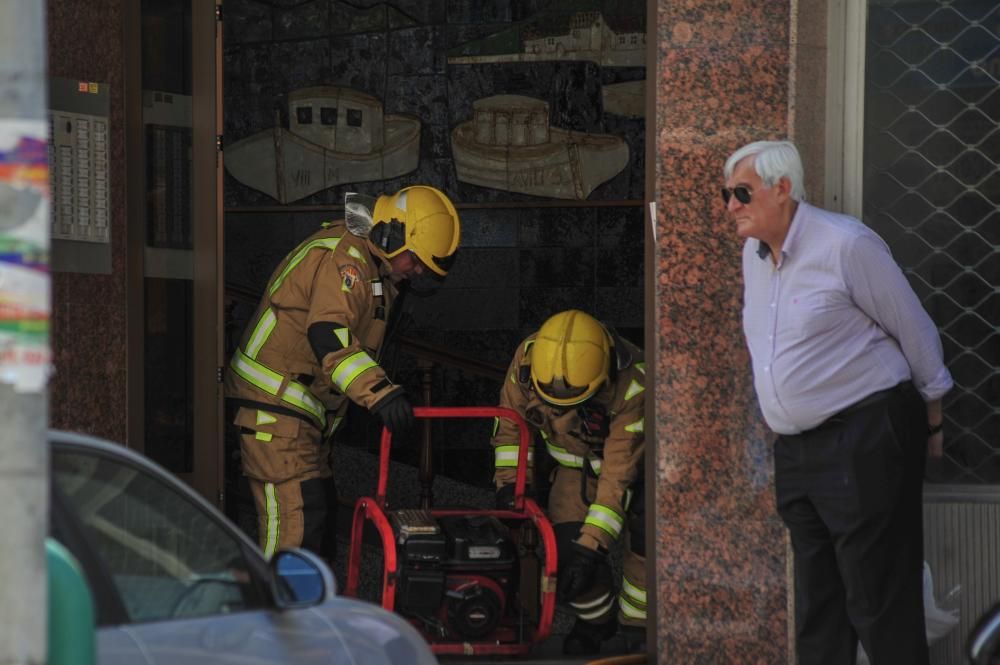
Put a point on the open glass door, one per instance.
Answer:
(175, 407)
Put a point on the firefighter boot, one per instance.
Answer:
(585, 638)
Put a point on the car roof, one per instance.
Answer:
(90, 441)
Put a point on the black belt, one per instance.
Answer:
(870, 400)
(876, 397)
(274, 408)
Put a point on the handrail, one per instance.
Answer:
(440, 355)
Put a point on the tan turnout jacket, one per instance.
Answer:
(330, 292)
(617, 465)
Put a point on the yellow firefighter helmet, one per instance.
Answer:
(570, 359)
(419, 219)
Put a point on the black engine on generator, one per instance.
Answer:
(457, 573)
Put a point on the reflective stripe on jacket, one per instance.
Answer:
(333, 282)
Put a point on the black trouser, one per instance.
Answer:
(850, 492)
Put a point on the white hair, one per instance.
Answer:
(772, 161)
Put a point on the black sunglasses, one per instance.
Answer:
(741, 192)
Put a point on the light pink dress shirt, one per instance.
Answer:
(833, 322)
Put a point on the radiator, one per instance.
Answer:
(962, 546)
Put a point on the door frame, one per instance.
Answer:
(206, 58)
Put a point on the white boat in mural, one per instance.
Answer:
(336, 135)
(615, 40)
(509, 145)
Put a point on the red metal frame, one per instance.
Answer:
(525, 508)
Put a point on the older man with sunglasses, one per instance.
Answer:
(849, 372)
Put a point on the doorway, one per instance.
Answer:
(173, 64)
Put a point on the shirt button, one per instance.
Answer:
(767, 369)
(773, 305)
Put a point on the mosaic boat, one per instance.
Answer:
(335, 135)
(510, 145)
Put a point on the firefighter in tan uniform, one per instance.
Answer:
(581, 387)
(313, 344)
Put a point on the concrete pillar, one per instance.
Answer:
(24, 292)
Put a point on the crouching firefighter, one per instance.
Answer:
(581, 387)
(314, 343)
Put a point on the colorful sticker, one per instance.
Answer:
(351, 277)
(25, 358)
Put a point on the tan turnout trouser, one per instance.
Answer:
(565, 507)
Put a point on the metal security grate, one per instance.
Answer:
(932, 191)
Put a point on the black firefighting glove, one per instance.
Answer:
(504, 499)
(579, 572)
(395, 411)
(595, 425)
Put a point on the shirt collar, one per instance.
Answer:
(788, 247)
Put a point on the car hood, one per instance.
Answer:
(373, 635)
(340, 630)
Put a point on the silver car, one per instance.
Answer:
(175, 582)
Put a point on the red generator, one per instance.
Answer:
(463, 577)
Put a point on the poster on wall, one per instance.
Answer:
(25, 357)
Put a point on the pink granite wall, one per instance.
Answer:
(87, 391)
(721, 80)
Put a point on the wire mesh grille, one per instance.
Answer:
(932, 191)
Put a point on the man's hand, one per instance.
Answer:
(935, 437)
(395, 411)
(935, 445)
(579, 573)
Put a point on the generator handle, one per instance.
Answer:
(367, 510)
(461, 412)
